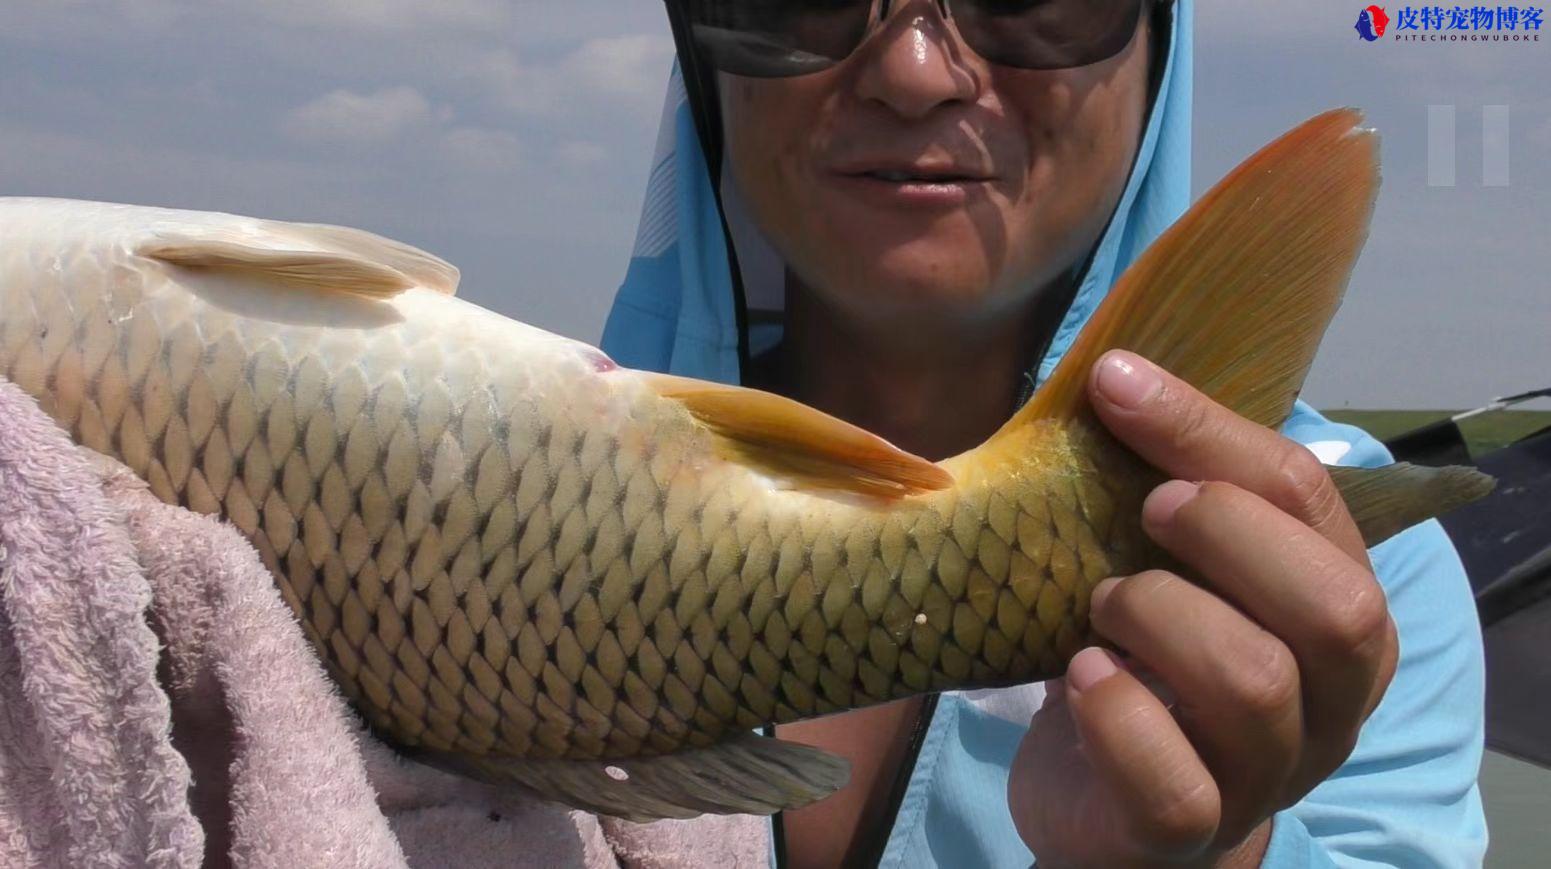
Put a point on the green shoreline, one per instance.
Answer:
(1483, 433)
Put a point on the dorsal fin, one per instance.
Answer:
(790, 440)
(1235, 297)
(305, 256)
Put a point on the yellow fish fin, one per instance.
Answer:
(789, 440)
(746, 774)
(1236, 295)
(305, 256)
(1387, 500)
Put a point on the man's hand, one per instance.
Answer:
(1236, 696)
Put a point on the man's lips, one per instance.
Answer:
(914, 187)
(914, 173)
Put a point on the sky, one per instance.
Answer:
(513, 137)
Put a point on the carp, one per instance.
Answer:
(524, 562)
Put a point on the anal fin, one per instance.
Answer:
(746, 774)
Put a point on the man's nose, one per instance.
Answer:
(917, 62)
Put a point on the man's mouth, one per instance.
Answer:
(903, 176)
(913, 184)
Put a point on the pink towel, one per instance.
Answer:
(159, 706)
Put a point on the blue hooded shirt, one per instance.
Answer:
(1407, 796)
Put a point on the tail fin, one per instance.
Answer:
(1235, 297)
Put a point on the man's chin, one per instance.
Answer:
(900, 294)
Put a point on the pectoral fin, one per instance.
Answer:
(794, 442)
(304, 256)
(747, 774)
(426, 270)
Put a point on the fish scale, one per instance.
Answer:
(525, 563)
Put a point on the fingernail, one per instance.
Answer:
(1090, 667)
(1101, 592)
(1166, 500)
(1126, 381)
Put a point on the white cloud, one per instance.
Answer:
(380, 15)
(500, 77)
(106, 17)
(39, 162)
(627, 71)
(632, 68)
(347, 117)
(480, 150)
(42, 19)
(402, 115)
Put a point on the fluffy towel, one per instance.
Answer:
(159, 706)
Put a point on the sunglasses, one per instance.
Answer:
(783, 38)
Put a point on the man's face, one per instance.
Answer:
(916, 179)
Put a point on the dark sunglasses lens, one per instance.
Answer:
(1047, 34)
(773, 38)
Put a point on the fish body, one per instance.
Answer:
(525, 562)
(483, 525)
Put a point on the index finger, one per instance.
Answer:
(1181, 432)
